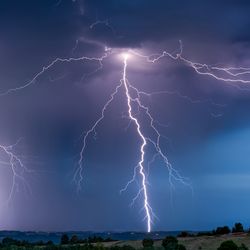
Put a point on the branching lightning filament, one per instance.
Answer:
(17, 168)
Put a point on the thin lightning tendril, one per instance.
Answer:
(57, 60)
(231, 74)
(18, 169)
(79, 171)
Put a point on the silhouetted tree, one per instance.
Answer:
(9, 241)
(181, 247)
(49, 243)
(183, 234)
(108, 239)
(39, 243)
(95, 239)
(64, 239)
(222, 230)
(74, 239)
(127, 247)
(147, 242)
(243, 247)
(228, 245)
(170, 243)
(124, 247)
(238, 227)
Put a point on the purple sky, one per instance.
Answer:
(204, 141)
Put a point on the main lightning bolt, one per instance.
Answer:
(142, 148)
(173, 174)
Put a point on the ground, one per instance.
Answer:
(194, 243)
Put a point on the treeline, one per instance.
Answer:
(237, 228)
(76, 240)
(9, 243)
(169, 243)
(85, 246)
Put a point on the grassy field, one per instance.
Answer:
(194, 243)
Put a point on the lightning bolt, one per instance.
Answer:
(173, 174)
(142, 148)
(78, 176)
(230, 75)
(18, 169)
(54, 62)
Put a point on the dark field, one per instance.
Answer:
(191, 243)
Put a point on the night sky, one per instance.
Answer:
(206, 122)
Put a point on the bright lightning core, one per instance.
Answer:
(125, 56)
